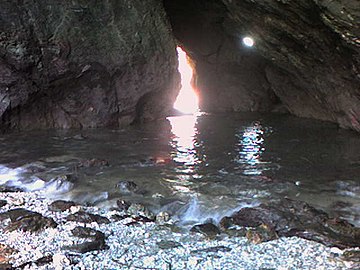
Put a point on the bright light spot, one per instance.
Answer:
(187, 101)
(248, 41)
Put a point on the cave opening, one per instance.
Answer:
(187, 101)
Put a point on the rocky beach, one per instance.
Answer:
(37, 233)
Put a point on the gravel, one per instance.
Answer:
(154, 246)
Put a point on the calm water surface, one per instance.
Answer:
(195, 167)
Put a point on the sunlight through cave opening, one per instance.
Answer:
(187, 101)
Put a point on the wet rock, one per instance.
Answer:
(61, 206)
(164, 244)
(139, 219)
(94, 162)
(295, 218)
(5, 256)
(262, 233)
(84, 217)
(207, 229)
(126, 187)
(25, 220)
(138, 209)
(351, 255)
(227, 225)
(162, 217)
(95, 240)
(3, 203)
(61, 184)
(117, 217)
(9, 189)
(122, 205)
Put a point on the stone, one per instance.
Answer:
(126, 187)
(3, 203)
(85, 64)
(295, 218)
(94, 162)
(164, 244)
(211, 250)
(122, 205)
(95, 240)
(260, 234)
(162, 217)
(207, 229)
(25, 220)
(61, 205)
(84, 217)
(5, 256)
(138, 209)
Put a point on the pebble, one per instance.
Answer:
(141, 246)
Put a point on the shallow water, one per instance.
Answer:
(195, 167)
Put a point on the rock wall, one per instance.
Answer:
(78, 64)
(306, 56)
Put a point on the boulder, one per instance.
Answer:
(295, 218)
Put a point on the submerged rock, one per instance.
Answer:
(295, 218)
(25, 220)
(126, 187)
(94, 162)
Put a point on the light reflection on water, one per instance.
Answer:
(251, 146)
(196, 167)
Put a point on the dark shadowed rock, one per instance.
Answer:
(61, 205)
(87, 218)
(3, 203)
(25, 220)
(295, 218)
(77, 64)
(122, 205)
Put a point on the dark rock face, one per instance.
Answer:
(306, 55)
(78, 64)
(295, 218)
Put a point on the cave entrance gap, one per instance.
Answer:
(187, 101)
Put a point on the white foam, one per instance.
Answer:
(9, 175)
